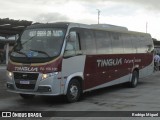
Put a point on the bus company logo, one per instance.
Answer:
(109, 62)
(6, 114)
(29, 69)
(21, 115)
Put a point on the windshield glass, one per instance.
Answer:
(39, 43)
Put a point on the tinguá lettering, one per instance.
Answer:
(109, 62)
(30, 69)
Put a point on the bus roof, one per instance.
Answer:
(105, 27)
(109, 27)
(49, 25)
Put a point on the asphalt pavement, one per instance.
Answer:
(145, 97)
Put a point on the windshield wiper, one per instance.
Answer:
(21, 53)
(19, 45)
(43, 52)
(28, 40)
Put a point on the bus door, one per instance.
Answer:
(73, 62)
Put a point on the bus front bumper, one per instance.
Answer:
(50, 86)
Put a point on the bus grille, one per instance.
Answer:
(25, 80)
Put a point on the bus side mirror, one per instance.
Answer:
(17, 37)
(17, 47)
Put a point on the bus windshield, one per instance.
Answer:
(44, 43)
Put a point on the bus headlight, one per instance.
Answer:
(45, 76)
(10, 74)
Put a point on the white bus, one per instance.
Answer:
(70, 59)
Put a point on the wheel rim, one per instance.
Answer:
(74, 91)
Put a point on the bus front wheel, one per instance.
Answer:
(73, 91)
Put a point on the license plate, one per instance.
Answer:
(24, 82)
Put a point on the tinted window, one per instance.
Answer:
(88, 45)
(127, 43)
(117, 43)
(103, 42)
(72, 45)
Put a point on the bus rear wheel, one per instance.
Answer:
(134, 80)
(73, 91)
(27, 96)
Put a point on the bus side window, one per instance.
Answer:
(127, 43)
(88, 42)
(103, 42)
(117, 43)
(72, 45)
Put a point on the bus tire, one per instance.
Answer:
(27, 96)
(73, 91)
(134, 80)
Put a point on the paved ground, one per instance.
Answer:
(3, 92)
(145, 97)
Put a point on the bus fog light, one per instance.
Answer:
(10, 86)
(44, 89)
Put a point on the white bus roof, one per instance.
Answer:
(109, 27)
(106, 27)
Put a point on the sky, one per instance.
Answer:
(133, 14)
